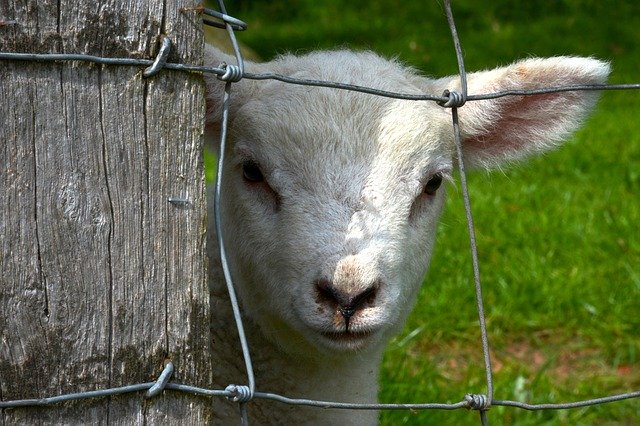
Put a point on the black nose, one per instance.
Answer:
(348, 303)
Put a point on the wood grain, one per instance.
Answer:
(102, 278)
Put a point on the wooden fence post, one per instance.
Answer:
(101, 278)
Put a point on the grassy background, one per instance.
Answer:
(559, 240)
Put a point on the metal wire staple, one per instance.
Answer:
(162, 381)
(161, 59)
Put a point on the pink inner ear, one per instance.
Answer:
(522, 124)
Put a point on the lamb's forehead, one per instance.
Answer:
(362, 68)
(332, 126)
(336, 128)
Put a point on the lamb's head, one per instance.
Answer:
(331, 198)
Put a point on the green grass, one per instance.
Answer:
(559, 236)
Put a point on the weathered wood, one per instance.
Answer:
(102, 278)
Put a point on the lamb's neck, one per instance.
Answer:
(330, 379)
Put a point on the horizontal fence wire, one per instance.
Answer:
(233, 73)
(220, 71)
(231, 394)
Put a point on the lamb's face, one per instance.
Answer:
(333, 199)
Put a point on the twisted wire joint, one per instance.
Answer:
(232, 73)
(239, 393)
(453, 99)
(477, 402)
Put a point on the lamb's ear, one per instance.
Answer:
(241, 91)
(513, 127)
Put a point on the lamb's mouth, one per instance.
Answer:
(348, 339)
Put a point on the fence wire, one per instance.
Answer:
(230, 73)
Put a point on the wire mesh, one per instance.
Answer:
(230, 73)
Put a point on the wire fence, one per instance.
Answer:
(231, 73)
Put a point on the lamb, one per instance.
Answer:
(330, 204)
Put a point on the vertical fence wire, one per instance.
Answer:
(241, 394)
(456, 103)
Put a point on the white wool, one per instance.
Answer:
(342, 213)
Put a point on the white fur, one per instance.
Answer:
(343, 201)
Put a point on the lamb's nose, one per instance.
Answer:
(348, 303)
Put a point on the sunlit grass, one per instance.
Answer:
(559, 236)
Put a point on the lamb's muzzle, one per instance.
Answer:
(347, 303)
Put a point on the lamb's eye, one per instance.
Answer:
(433, 184)
(251, 172)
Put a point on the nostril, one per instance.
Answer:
(327, 292)
(365, 297)
(347, 303)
